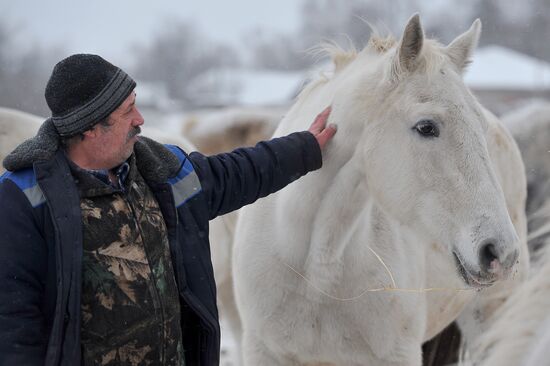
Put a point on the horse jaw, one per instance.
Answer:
(461, 48)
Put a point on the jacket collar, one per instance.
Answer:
(154, 161)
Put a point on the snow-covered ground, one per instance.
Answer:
(229, 349)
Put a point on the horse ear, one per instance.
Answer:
(460, 50)
(411, 44)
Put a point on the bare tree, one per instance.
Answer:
(29, 77)
(177, 55)
(325, 20)
(538, 29)
(278, 52)
(23, 74)
(4, 39)
(347, 21)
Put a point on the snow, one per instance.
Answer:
(228, 347)
(496, 67)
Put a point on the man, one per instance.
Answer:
(104, 253)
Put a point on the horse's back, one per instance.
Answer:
(167, 138)
(530, 127)
(509, 167)
(15, 127)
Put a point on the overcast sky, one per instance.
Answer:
(111, 27)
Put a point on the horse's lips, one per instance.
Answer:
(468, 278)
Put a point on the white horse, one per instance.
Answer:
(214, 131)
(520, 329)
(420, 199)
(15, 127)
(530, 127)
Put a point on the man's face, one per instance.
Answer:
(116, 141)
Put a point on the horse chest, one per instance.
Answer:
(340, 332)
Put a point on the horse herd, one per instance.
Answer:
(428, 210)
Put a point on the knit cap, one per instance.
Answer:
(83, 90)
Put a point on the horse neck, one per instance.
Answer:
(348, 220)
(338, 157)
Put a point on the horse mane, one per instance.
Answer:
(431, 60)
(342, 56)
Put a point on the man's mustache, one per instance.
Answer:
(133, 132)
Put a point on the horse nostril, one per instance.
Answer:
(487, 254)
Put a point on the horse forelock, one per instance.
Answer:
(381, 44)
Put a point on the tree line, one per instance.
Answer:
(178, 53)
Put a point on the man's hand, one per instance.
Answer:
(323, 133)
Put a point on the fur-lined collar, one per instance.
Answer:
(155, 162)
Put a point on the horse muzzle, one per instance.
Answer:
(493, 266)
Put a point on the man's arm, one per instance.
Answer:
(23, 258)
(235, 179)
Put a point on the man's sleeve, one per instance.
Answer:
(235, 179)
(23, 261)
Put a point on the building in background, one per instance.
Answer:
(245, 87)
(504, 79)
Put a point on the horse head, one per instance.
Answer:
(422, 139)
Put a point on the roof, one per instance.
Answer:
(245, 87)
(496, 67)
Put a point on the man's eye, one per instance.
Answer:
(427, 128)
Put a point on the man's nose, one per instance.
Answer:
(138, 120)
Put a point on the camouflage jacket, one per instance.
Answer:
(129, 303)
(41, 241)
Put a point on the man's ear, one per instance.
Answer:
(91, 133)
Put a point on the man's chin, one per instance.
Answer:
(127, 153)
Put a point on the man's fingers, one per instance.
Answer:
(325, 135)
(320, 121)
(322, 134)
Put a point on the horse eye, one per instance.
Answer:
(427, 128)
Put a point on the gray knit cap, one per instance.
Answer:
(83, 90)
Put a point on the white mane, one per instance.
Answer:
(432, 58)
